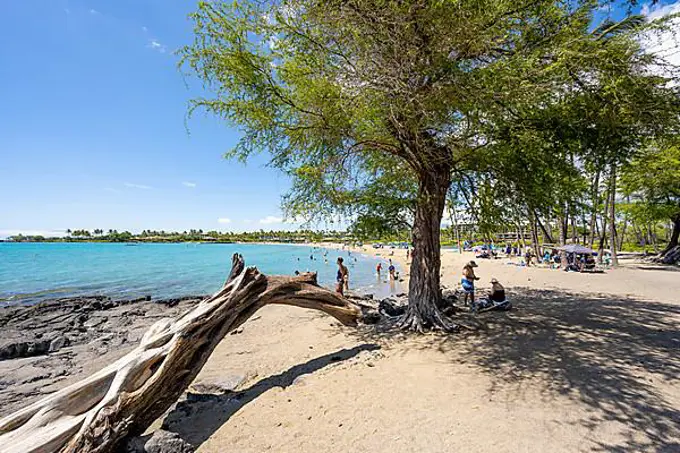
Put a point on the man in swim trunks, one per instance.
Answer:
(468, 282)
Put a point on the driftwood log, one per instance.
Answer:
(98, 413)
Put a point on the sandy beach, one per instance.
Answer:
(584, 362)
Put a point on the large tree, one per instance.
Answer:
(345, 94)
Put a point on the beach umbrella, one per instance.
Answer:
(578, 249)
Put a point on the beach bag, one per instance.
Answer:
(387, 307)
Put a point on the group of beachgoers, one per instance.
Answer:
(495, 297)
(342, 276)
(392, 271)
(576, 262)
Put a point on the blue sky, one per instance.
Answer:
(92, 125)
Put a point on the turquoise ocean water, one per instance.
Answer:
(31, 272)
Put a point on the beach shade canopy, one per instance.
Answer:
(578, 249)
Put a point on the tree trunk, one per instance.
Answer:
(547, 235)
(424, 293)
(603, 230)
(593, 212)
(612, 217)
(653, 238)
(534, 235)
(585, 228)
(622, 236)
(563, 241)
(638, 235)
(454, 220)
(98, 413)
(675, 235)
(520, 234)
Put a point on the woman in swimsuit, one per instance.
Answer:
(342, 277)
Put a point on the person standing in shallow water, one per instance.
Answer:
(342, 278)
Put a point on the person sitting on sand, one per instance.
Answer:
(546, 257)
(497, 293)
(468, 282)
(342, 277)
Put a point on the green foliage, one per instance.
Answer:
(358, 100)
(652, 180)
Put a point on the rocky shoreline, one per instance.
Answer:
(50, 345)
(47, 346)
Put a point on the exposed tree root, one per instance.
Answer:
(434, 319)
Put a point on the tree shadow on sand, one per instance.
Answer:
(197, 418)
(606, 352)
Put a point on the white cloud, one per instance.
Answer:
(270, 219)
(137, 186)
(144, 29)
(111, 189)
(224, 220)
(656, 11)
(665, 44)
(94, 11)
(189, 184)
(154, 44)
(67, 11)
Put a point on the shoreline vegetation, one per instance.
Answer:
(448, 238)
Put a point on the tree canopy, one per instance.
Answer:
(376, 107)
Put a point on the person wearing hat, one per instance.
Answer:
(497, 293)
(468, 282)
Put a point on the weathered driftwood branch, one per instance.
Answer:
(98, 413)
